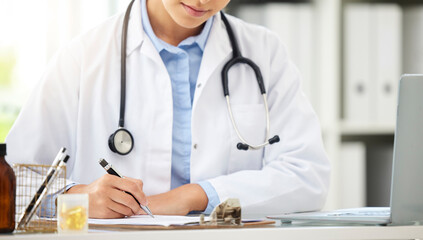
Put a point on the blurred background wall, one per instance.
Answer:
(31, 31)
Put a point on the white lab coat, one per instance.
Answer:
(76, 105)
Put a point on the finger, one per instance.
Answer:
(98, 208)
(108, 213)
(125, 199)
(105, 214)
(140, 184)
(113, 214)
(108, 180)
(119, 208)
(133, 186)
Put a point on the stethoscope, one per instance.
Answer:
(122, 141)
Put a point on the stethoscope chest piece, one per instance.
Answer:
(121, 142)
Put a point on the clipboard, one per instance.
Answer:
(117, 227)
(225, 215)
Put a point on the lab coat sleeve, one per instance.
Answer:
(48, 120)
(295, 172)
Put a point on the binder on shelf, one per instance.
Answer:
(357, 52)
(306, 51)
(352, 172)
(279, 17)
(387, 45)
(413, 39)
(373, 55)
(252, 13)
(294, 25)
(379, 174)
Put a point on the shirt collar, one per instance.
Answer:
(159, 44)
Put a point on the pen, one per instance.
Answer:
(110, 170)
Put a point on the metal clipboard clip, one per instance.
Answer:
(228, 213)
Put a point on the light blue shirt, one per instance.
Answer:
(183, 64)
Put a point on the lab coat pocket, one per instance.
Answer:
(251, 122)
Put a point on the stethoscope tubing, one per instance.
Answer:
(123, 65)
(237, 58)
(250, 146)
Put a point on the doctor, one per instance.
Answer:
(184, 155)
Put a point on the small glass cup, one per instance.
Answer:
(72, 213)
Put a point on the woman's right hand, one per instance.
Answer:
(108, 197)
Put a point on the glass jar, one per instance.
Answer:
(7, 194)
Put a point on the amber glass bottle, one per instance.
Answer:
(7, 194)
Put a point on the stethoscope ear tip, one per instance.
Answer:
(274, 139)
(245, 147)
(242, 146)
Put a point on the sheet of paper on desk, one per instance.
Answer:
(158, 220)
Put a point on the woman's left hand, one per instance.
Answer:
(179, 201)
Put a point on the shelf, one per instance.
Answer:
(237, 2)
(401, 2)
(348, 129)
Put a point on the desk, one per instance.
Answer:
(277, 232)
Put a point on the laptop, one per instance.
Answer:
(406, 203)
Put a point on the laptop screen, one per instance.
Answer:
(407, 179)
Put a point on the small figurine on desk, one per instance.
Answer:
(226, 213)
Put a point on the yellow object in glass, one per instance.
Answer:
(74, 218)
(72, 213)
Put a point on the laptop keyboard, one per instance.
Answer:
(382, 213)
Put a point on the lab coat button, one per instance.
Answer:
(199, 85)
(195, 146)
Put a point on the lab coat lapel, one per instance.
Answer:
(137, 36)
(140, 50)
(135, 29)
(217, 49)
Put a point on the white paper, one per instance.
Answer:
(158, 220)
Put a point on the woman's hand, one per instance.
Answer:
(109, 198)
(179, 201)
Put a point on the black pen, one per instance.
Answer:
(110, 170)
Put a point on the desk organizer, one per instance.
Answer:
(29, 179)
